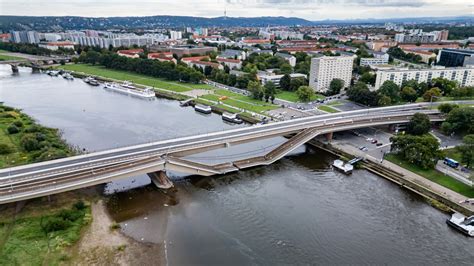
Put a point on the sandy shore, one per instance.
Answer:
(101, 245)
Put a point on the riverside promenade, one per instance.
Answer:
(441, 192)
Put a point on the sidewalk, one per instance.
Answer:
(410, 176)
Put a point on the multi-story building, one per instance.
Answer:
(192, 50)
(413, 38)
(275, 79)
(132, 53)
(233, 54)
(231, 63)
(372, 61)
(326, 68)
(455, 57)
(25, 37)
(464, 76)
(176, 35)
(54, 46)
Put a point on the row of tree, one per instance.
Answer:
(167, 70)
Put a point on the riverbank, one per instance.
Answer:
(203, 93)
(436, 195)
(23, 141)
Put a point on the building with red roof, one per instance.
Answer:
(131, 53)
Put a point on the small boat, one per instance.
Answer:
(68, 76)
(345, 168)
(233, 118)
(462, 223)
(205, 109)
(88, 79)
(52, 73)
(93, 82)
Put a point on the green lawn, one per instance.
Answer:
(434, 176)
(135, 78)
(4, 57)
(328, 109)
(292, 97)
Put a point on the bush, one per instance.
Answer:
(54, 224)
(18, 123)
(445, 108)
(5, 149)
(79, 205)
(70, 215)
(32, 129)
(12, 129)
(29, 143)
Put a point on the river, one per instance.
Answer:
(296, 211)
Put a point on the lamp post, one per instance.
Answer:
(431, 100)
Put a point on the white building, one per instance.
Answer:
(176, 35)
(275, 79)
(52, 37)
(326, 68)
(464, 76)
(54, 46)
(373, 61)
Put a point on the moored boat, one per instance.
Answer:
(205, 109)
(233, 118)
(345, 168)
(142, 93)
(462, 223)
(68, 76)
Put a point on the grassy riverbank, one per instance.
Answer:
(43, 233)
(135, 78)
(4, 57)
(433, 175)
(23, 141)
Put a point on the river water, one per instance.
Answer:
(296, 211)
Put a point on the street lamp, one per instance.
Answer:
(431, 100)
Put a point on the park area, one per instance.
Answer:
(5, 57)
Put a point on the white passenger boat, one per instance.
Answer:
(205, 109)
(462, 223)
(233, 118)
(142, 93)
(52, 73)
(345, 168)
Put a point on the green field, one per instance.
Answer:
(4, 57)
(434, 176)
(41, 236)
(292, 97)
(328, 109)
(240, 101)
(135, 78)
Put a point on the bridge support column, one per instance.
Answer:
(329, 136)
(14, 69)
(161, 180)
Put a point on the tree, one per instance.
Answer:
(467, 150)
(296, 83)
(286, 69)
(12, 129)
(305, 93)
(360, 93)
(285, 82)
(269, 90)
(409, 94)
(391, 90)
(445, 108)
(446, 86)
(368, 78)
(5, 149)
(459, 120)
(335, 86)
(422, 150)
(255, 90)
(419, 124)
(29, 142)
(384, 100)
(432, 95)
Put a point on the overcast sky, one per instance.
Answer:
(308, 9)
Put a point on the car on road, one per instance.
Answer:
(374, 141)
(379, 144)
(363, 148)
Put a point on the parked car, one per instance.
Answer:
(379, 144)
(374, 141)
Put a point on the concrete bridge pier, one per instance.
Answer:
(329, 136)
(15, 69)
(161, 180)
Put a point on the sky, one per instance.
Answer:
(307, 9)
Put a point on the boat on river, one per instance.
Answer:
(130, 90)
(233, 118)
(342, 167)
(205, 109)
(67, 76)
(91, 81)
(462, 223)
(52, 73)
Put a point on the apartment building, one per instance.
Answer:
(464, 76)
(326, 68)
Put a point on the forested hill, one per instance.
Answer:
(75, 23)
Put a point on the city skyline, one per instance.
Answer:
(312, 10)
